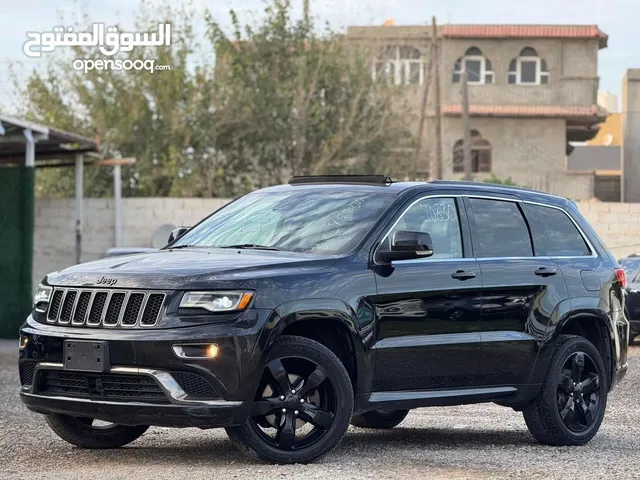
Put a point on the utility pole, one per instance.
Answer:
(437, 172)
(426, 80)
(466, 133)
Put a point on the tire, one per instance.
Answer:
(324, 404)
(79, 431)
(557, 416)
(379, 419)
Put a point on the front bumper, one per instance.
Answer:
(146, 354)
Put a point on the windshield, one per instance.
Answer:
(310, 221)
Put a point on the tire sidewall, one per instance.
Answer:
(569, 348)
(307, 349)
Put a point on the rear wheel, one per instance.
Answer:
(90, 433)
(573, 398)
(303, 405)
(379, 419)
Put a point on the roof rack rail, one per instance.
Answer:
(345, 179)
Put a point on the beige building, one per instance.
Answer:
(532, 89)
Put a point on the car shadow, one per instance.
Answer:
(436, 437)
(219, 451)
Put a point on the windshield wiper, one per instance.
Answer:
(182, 246)
(251, 246)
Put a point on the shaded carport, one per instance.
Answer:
(25, 146)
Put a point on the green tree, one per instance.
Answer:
(234, 112)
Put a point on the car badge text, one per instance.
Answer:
(107, 281)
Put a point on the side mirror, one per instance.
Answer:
(177, 233)
(407, 245)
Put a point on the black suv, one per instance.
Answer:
(298, 309)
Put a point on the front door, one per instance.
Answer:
(428, 309)
(520, 291)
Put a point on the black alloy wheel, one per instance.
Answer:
(578, 392)
(573, 397)
(302, 407)
(297, 406)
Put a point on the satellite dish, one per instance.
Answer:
(608, 139)
(159, 237)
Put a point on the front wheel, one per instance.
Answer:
(379, 419)
(302, 407)
(573, 397)
(89, 433)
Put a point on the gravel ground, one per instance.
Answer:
(475, 441)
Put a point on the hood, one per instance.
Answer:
(186, 269)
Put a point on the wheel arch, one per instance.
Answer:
(331, 323)
(595, 326)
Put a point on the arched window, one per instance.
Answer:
(480, 154)
(477, 66)
(400, 65)
(528, 69)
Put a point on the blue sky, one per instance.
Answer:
(620, 19)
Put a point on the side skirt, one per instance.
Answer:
(507, 395)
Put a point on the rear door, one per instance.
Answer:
(428, 309)
(521, 289)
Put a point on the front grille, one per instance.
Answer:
(108, 308)
(113, 310)
(26, 372)
(133, 309)
(54, 307)
(99, 301)
(81, 308)
(67, 306)
(100, 386)
(152, 309)
(195, 385)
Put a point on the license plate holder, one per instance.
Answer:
(86, 356)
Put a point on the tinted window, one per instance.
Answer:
(559, 235)
(439, 218)
(501, 229)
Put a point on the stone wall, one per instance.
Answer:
(54, 243)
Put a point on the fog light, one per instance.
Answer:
(202, 350)
(212, 350)
(23, 342)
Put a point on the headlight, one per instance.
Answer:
(42, 295)
(217, 301)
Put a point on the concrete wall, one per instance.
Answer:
(618, 224)
(54, 237)
(631, 136)
(536, 159)
(572, 65)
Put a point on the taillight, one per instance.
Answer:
(622, 277)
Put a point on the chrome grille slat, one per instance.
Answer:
(64, 319)
(142, 308)
(79, 305)
(109, 305)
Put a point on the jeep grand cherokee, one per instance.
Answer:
(297, 309)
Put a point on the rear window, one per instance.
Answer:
(558, 235)
(501, 229)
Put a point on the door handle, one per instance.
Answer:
(545, 272)
(462, 275)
